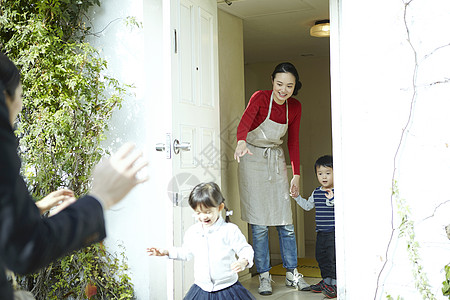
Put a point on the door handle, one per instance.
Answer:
(160, 147)
(165, 146)
(177, 146)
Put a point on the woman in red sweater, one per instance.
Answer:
(263, 182)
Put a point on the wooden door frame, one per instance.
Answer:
(335, 75)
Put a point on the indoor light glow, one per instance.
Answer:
(320, 29)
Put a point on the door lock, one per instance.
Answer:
(165, 146)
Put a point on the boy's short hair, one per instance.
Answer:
(324, 161)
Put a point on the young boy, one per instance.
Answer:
(322, 199)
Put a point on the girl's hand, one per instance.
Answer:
(295, 186)
(239, 265)
(329, 193)
(157, 252)
(56, 201)
(241, 150)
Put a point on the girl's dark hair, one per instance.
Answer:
(9, 76)
(207, 194)
(324, 161)
(287, 67)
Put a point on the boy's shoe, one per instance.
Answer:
(295, 279)
(330, 291)
(317, 288)
(265, 285)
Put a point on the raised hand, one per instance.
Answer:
(157, 252)
(113, 178)
(329, 193)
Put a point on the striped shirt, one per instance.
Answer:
(324, 209)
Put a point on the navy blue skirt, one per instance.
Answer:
(234, 292)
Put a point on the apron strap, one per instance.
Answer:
(287, 112)
(270, 106)
(270, 109)
(268, 154)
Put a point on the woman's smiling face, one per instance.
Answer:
(283, 87)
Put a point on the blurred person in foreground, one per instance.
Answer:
(27, 241)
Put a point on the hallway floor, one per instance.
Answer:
(281, 291)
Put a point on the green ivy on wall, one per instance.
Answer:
(446, 282)
(68, 101)
(407, 232)
(91, 273)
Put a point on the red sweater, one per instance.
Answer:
(256, 113)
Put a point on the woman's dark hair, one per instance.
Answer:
(9, 76)
(288, 68)
(207, 194)
(324, 161)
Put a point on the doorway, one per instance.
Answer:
(238, 26)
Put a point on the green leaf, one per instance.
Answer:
(68, 102)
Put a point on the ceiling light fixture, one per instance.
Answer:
(229, 2)
(320, 29)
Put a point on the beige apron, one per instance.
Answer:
(263, 182)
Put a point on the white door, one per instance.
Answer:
(194, 140)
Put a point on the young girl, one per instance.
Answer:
(214, 244)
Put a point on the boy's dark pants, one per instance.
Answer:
(326, 254)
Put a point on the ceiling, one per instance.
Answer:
(277, 30)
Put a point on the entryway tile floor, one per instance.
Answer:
(280, 291)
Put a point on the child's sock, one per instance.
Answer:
(333, 281)
(290, 270)
(327, 280)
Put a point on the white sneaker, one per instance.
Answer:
(295, 279)
(265, 284)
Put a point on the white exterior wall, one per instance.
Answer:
(136, 56)
(390, 72)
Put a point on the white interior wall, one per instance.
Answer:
(232, 100)
(391, 114)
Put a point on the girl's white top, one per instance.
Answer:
(214, 250)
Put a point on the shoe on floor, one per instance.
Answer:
(295, 279)
(330, 291)
(265, 284)
(317, 288)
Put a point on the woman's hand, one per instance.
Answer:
(241, 150)
(239, 265)
(56, 201)
(157, 252)
(113, 178)
(295, 186)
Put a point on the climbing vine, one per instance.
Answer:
(446, 283)
(406, 229)
(68, 101)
